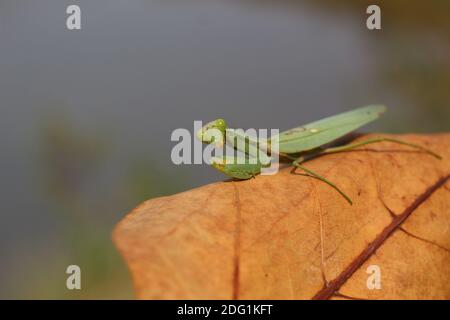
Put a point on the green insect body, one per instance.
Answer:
(297, 144)
(318, 133)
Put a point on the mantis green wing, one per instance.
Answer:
(318, 133)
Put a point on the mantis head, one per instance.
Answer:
(209, 132)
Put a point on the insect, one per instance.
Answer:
(299, 144)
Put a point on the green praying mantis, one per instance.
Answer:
(300, 144)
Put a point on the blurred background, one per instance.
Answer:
(86, 116)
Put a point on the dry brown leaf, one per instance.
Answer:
(289, 236)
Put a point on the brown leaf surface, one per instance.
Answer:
(293, 237)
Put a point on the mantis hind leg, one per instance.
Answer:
(376, 140)
(297, 164)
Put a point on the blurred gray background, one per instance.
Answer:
(86, 116)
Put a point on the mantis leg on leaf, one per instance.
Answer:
(298, 161)
(375, 140)
(297, 164)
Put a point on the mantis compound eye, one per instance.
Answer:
(220, 123)
(210, 132)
